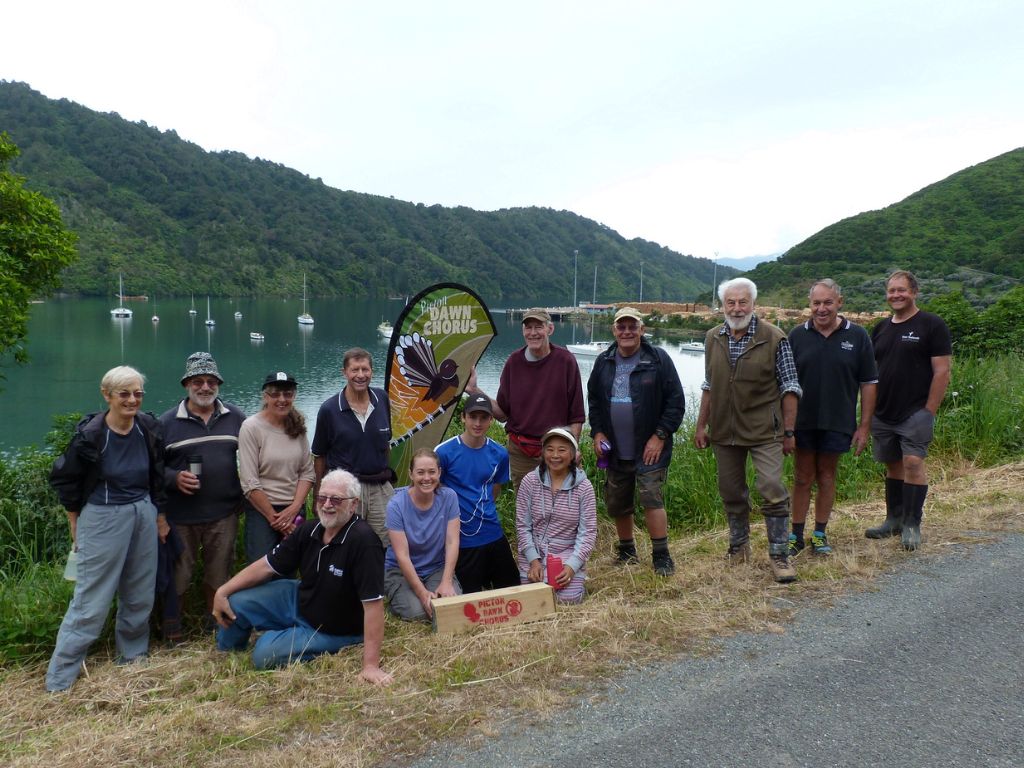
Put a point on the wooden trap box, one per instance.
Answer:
(495, 607)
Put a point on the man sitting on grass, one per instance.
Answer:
(338, 601)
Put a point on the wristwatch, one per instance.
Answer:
(788, 433)
(661, 434)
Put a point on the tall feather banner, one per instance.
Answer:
(436, 342)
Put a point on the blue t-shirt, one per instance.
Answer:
(124, 465)
(472, 473)
(424, 529)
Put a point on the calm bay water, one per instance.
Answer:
(73, 342)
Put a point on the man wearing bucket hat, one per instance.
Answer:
(636, 404)
(539, 388)
(201, 476)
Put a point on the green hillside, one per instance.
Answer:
(963, 233)
(175, 218)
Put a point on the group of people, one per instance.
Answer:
(767, 395)
(147, 496)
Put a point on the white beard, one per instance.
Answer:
(740, 323)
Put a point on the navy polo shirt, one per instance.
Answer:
(831, 370)
(343, 442)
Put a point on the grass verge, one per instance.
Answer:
(192, 706)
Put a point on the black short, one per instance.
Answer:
(490, 566)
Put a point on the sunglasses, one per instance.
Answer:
(335, 501)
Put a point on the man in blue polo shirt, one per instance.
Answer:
(338, 601)
(476, 467)
(353, 432)
(834, 361)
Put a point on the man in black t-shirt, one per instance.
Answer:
(338, 601)
(914, 354)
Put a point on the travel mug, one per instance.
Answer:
(195, 465)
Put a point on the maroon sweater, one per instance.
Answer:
(538, 395)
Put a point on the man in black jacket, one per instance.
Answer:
(636, 404)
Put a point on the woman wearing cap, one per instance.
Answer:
(275, 467)
(423, 527)
(110, 479)
(556, 515)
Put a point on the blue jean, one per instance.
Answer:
(117, 554)
(260, 538)
(273, 609)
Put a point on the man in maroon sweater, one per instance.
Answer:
(540, 388)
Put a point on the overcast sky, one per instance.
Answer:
(732, 127)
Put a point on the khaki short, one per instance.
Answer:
(623, 484)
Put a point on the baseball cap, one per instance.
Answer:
(563, 433)
(478, 402)
(537, 314)
(629, 312)
(280, 378)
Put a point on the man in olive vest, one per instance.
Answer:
(748, 408)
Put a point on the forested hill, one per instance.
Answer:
(963, 233)
(175, 218)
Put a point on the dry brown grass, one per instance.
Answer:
(192, 706)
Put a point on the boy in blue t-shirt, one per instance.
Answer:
(475, 467)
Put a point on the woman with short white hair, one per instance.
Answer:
(110, 481)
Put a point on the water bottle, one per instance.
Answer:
(71, 569)
(605, 455)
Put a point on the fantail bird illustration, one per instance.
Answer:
(416, 362)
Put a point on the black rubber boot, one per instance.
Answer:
(913, 496)
(739, 537)
(893, 524)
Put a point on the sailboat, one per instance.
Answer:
(209, 320)
(590, 348)
(156, 317)
(193, 310)
(305, 318)
(122, 310)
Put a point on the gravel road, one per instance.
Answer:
(927, 670)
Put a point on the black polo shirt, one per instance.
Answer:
(831, 370)
(336, 577)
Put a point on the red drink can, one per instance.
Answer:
(554, 570)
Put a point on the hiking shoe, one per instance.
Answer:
(796, 546)
(663, 565)
(782, 569)
(739, 553)
(627, 555)
(819, 544)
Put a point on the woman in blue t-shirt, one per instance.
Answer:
(423, 525)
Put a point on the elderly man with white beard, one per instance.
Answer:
(748, 408)
(338, 601)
